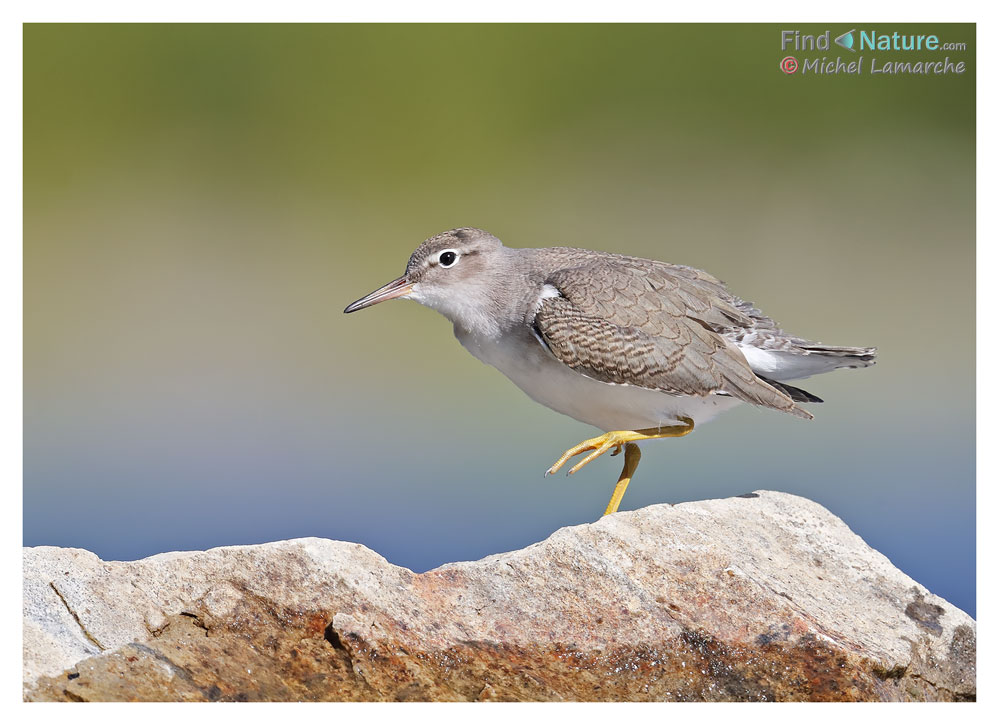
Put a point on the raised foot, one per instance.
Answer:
(616, 439)
(599, 446)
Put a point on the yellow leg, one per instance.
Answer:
(632, 455)
(617, 439)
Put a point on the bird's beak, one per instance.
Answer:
(396, 288)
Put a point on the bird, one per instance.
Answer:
(638, 348)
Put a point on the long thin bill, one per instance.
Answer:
(396, 288)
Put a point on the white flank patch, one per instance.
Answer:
(547, 293)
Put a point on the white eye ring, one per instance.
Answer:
(451, 255)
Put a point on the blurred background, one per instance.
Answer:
(201, 202)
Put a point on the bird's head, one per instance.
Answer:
(451, 272)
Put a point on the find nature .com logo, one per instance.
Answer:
(871, 40)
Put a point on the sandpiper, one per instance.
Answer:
(638, 348)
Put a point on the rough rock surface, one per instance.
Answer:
(762, 597)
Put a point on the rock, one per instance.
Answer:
(762, 597)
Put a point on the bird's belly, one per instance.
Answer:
(603, 405)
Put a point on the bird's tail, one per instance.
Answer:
(804, 359)
(845, 357)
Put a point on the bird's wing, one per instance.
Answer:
(652, 328)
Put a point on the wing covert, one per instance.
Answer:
(650, 329)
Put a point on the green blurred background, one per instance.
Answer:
(201, 202)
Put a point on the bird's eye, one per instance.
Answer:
(448, 258)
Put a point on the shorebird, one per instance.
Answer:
(638, 348)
